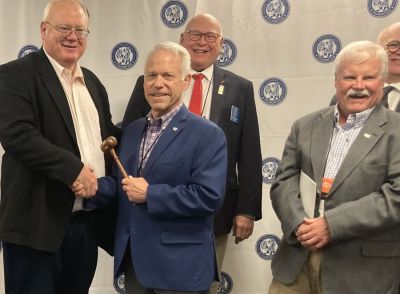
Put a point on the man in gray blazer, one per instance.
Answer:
(352, 152)
(389, 38)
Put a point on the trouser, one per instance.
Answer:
(220, 248)
(68, 270)
(308, 281)
(132, 285)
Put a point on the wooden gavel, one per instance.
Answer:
(108, 146)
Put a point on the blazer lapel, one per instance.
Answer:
(369, 135)
(320, 140)
(175, 126)
(217, 100)
(53, 84)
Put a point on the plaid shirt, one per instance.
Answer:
(342, 138)
(154, 130)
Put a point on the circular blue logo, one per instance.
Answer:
(269, 167)
(225, 286)
(275, 11)
(273, 91)
(174, 14)
(27, 49)
(228, 53)
(267, 245)
(124, 55)
(119, 284)
(326, 48)
(381, 8)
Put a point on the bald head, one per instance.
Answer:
(390, 34)
(205, 18)
(203, 53)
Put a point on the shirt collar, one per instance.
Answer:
(395, 85)
(59, 69)
(208, 72)
(164, 119)
(354, 119)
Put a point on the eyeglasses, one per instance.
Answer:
(66, 30)
(210, 37)
(393, 46)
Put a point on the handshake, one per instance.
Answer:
(85, 186)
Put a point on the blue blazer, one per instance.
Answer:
(244, 177)
(171, 236)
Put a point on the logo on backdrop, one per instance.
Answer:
(275, 11)
(326, 48)
(273, 91)
(381, 8)
(27, 49)
(119, 284)
(226, 284)
(174, 14)
(228, 53)
(269, 167)
(124, 55)
(267, 245)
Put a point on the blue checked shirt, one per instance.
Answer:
(342, 139)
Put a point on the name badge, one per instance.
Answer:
(235, 114)
(221, 90)
(326, 185)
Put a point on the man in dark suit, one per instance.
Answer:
(53, 116)
(177, 165)
(228, 100)
(389, 38)
(351, 152)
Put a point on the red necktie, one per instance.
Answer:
(195, 104)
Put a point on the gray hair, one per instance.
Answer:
(361, 51)
(177, 50)
(51, 4)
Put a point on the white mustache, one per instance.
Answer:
(352, 92)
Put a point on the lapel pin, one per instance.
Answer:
(367, 135)
(174, 129)
(221, 88)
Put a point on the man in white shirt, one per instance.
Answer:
(53, 117)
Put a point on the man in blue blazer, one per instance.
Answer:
(228, 101)
(351, 151)
(177, 164)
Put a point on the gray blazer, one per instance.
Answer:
(362, 210)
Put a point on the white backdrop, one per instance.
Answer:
(284, 47)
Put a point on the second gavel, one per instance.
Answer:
(108, 146)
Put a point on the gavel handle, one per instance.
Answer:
(121, 168)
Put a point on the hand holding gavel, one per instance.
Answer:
(108, 146)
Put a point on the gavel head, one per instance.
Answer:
(108, 144)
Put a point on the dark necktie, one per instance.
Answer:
(195, 104)
(386, 91)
